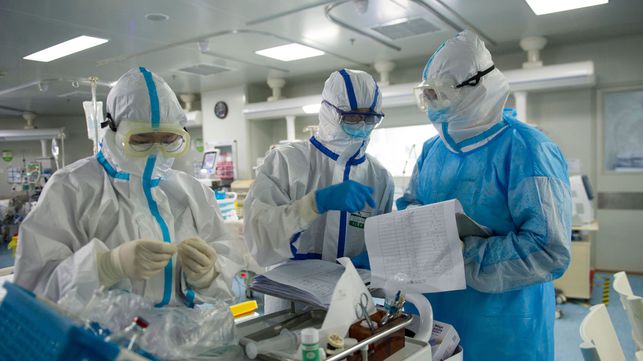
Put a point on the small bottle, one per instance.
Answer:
(335, 344)
(130, 334)
(310, 345)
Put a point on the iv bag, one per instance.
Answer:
(93, 117)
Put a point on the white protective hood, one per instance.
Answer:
(140, 96)
(348, 90)
(480, 107)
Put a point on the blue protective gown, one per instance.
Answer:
(517, 185)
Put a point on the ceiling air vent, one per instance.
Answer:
(406, 28)
(204, 69)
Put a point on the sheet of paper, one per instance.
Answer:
(346, 296)
(310, 281)
(416, 250)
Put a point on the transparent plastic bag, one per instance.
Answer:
(174, 333)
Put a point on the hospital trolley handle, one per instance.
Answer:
(366, 342)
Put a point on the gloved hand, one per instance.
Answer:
(137, 260)
(361, 261)
(198, 258)
(348, 196)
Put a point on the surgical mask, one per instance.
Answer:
(162, 164)
(438, 115)
(358, 130)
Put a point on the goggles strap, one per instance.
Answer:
(109, 122)
(474, 80)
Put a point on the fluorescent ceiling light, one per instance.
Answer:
(66, 48)
(311, 108)
(542, 7)
(290, 52)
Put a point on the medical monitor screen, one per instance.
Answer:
(209, 161)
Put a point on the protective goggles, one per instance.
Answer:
(356, 117)
(139, 139)
(437, 94)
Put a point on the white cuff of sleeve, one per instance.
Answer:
(307, 210)
(109, 268)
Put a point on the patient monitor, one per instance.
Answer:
(209, 163)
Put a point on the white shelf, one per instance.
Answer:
(628, 170)
(561, 76)
(18, 135)
(592, 227)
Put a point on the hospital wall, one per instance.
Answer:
(570, 117)
(77, 146)
(233, 128)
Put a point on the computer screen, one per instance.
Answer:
(210, 161)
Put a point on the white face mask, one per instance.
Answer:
(163, 165)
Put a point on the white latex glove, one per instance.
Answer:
(198, 259)
(137, 260)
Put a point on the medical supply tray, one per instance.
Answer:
(34, 331)
(315, 318)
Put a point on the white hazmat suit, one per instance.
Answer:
(282, 220)
(99, 203)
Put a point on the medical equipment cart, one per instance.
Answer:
(270, 325)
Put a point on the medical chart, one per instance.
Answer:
(308, 281)
(419, 249)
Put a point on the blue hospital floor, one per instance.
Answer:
(566, 329)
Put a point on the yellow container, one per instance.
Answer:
(243, 308)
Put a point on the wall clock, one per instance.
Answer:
(221, 109)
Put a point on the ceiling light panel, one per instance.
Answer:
(63, 49)
(290, 52)
(542, 7)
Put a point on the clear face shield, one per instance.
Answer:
(138, 139)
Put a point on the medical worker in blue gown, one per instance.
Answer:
(124, 218)
(509, 177)
(310, 199)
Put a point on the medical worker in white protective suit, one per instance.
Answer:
(123, 218)
(310, 199)
(509, 177)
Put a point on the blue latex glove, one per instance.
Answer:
(361, 261)
(348, 196)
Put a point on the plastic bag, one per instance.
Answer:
(173, 333)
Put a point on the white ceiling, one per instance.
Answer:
(164, 47)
